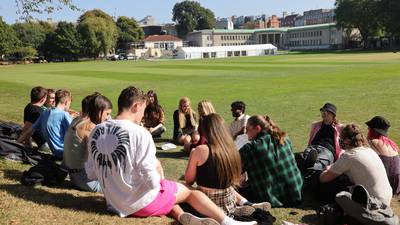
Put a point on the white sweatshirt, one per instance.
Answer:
(122, 157)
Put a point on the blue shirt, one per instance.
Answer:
(53, 123)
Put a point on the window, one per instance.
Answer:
(206, 55)
(237, 53)
(156, 45)
(244, 53)
(229, 54)
(213, 54)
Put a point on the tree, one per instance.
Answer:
(31, 34)
(26, 7)
(98, 32)
(24, 53)
(190, 15)
(64, 43)
(129, 31)
(8, 39)
(390, 12)
(360, 14)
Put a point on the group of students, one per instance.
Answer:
(117, 156)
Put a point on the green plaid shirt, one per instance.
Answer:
(272, 171)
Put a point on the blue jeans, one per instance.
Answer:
(82, 182)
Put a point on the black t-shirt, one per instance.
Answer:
(31, 114)
(325, 136)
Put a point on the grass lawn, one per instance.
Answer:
(289, 88)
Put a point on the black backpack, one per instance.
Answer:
(10, 130)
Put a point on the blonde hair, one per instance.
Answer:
(269, 126)
(227, 158)
(182, 118)
(206, 106)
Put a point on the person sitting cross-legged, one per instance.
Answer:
(215, 167)
(361, 164)
(53, 124)
(268, 159)
(31, 114)
(154, 118)
(122, 156)
(387, 149)
(76, 140)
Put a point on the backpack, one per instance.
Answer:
(10, 130)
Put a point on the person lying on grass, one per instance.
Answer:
(215, 167)
(122, 157)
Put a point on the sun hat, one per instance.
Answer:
(329, 107)
(379, 124)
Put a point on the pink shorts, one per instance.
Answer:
(163, 203)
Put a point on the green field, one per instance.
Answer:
(289, 88)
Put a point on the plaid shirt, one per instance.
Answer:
(272, 171)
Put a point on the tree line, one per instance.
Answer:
(94, 34)
(372, 18)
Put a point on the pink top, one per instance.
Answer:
(338, 127)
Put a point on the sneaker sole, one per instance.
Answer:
(265, 206)
(244, 211)
(188, 219)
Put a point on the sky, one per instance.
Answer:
(161, 10)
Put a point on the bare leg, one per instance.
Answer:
(187, 143)
(199, 201)
(176, 212)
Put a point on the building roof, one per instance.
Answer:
(280, 29)
(228, 48)
(154, 38)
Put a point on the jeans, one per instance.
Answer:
(82, 182)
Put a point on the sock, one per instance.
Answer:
(242, 201)
(227, 220)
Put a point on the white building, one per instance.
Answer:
(224, 23)
(165, 42)
(225, 51)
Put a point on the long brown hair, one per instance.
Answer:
(268, 126)
(224, 152)
(353, 133)
(182, 118)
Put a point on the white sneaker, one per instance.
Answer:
(230, 221)
(245, 210)
(190, 219)
(265, 206)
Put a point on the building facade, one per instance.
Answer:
(319, 16)
(321, 36)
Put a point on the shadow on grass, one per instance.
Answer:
(173, 155)
(91, 204)
(15, 175)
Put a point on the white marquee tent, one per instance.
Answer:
(225, 51)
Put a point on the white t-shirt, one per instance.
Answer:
(122, 157)
(238, 123)
(363, 166)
